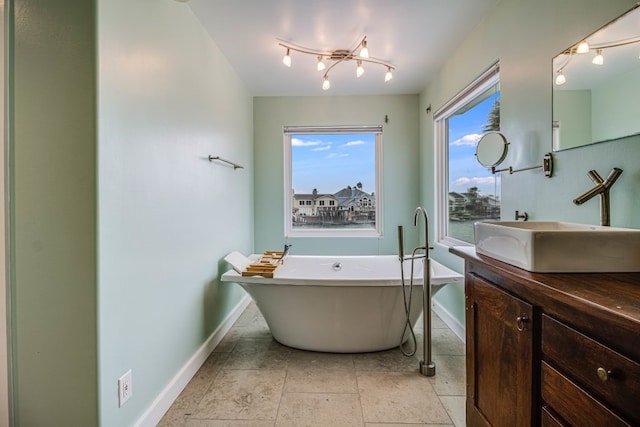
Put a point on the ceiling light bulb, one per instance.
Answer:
(598, 59)
(583, 47)
(388, 76)
(359, 70)
(560, 78)
(326, 84)
(364, 52)
(287, 59)
(321, 65)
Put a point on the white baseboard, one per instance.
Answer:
(446, 316)
(163, 402)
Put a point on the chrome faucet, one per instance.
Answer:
(427, 366)
(285, 252)
(423, 211)
(602, 188)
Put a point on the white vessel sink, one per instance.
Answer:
(560, 247)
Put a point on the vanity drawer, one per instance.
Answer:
(575, 406)
(604, 373)
(549, 419)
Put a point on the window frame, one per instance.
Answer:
(289, 231)
(479, 85)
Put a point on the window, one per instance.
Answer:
(466, 192)
(338, 165)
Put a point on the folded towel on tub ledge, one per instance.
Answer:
(237, 261)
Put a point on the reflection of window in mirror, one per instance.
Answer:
(467, 191)
(555, 135)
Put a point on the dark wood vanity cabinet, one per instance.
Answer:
(499, 356)
(550, 349)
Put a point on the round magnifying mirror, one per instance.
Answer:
(491, 149)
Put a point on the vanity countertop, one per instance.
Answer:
(600, 302)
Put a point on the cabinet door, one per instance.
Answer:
(499, 357)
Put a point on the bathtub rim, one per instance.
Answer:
(440, 275)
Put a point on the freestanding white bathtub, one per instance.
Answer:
(339, 304)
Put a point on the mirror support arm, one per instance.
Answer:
(547, 167)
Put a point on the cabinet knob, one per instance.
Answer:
(520, 321)
(604, 374)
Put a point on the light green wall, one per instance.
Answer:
(616, 108)
(400, 166)
(52, 211)
(524, 36)
(167, 216)
(118, 221)
(572, 109)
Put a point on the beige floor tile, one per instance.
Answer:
(443, 342)
(449, 379)
(173, 418)
(455, 406)
(243, 395)
(249, 315)
(436, 322)
(446, 343)
(399, 397)
(195, 390)
(311, 360)
(228, 343)
(228, 423)
(253, 381)
(319, 409)
(406, 425)
(385, 361)
(257, 329)
(255, 345)
(314, 380)
(258, 360)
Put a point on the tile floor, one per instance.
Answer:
(252, 380)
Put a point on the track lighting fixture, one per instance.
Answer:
(598, 59)
(326, 60)
(364, 52)
(388, 76)
(287, 59)
(326, 84)
(359, 69)
(584, 47)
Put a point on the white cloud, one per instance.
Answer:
(333, 155)
(356, 142)
(295, 142)
(475, 180)
(322, 148)
(471, 139)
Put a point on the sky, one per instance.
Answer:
(331, 162)
(464, 132)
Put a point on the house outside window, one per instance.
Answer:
(466, 192)
(337, 172)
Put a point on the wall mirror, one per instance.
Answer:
(596, 85)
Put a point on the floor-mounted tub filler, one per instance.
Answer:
(338, 304)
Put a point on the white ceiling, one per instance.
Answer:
(414, 35)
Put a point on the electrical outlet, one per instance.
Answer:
(125, 388)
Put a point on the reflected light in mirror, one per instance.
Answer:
(596, 100)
